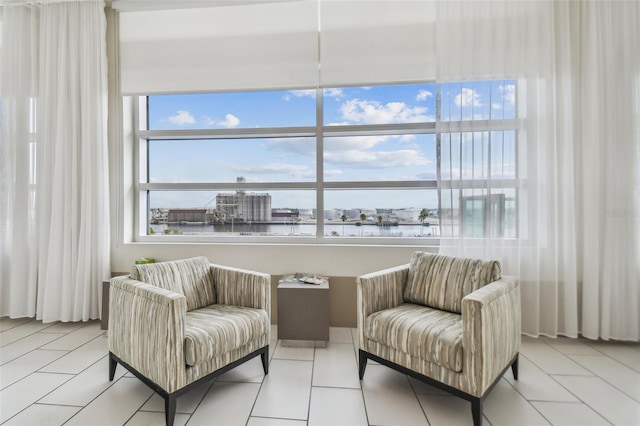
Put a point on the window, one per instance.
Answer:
(356, 164)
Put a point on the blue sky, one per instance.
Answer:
(357, 158)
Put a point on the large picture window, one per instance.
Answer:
(357, 164)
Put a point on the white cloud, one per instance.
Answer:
(376, 159)
(181, 118)
(311, 93)
(423, 95)
(332, 173)
(275, 168)
(347, 143)
(333, 93)
(373, 112)
(230, 121)
(509, 93)
(468, 97)
(496, 105)
(302, 146)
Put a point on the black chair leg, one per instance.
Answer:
(476, 411)
(362, 362)
(514, 368)
(112, 367)
(265, 360)
(169, 409)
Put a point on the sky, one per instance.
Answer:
(346, 158)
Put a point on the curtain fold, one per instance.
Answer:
(575, 248)
(66, 171)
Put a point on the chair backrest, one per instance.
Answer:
(442, 281)
(190, 277)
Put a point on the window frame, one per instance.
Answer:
(141, 189)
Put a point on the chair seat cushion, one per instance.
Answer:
(420, 331)
(217, 329)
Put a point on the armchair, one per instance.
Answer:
(176, 324)
(451, 322)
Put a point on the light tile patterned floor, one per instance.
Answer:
(55, 374)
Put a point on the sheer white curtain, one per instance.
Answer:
(54, 217)
(576, 234)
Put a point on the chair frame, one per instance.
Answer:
(170, 398)
(476, 402)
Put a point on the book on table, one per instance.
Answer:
(304, 278)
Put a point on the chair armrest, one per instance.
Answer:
(241, 287)
(491, 331)
(377, 291)
(146, 330)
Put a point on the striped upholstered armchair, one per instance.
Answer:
(176, 324)
(451, 322)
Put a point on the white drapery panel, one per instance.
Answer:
(575, 192)
(55, 241)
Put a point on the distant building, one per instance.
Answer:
(243, 207)
(187, 216)
(409, 214)
(332, 214)
(285, 215)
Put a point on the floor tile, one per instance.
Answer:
(249, 372)
(293, 353)
(446, 410)
(420, 387)
(226, 404)
(66, 327)
(340, 335)
(76, 338)
(57, 373)
(570, 346)
(147, 418)
(186, 403)
(535, 384)
(613, 372)
(569, 414)
(335, 366)
(609, 402)
(333, 406)
(285, 391)
(626, 353)
(27, 364)
(389, 398)
(43, 415)
(7, 323)
(267, 421)
(115, 406)
(504, 407)
(25, 345)
(21, 331)
(81, 358)
(27, 391)
(549, 359)
(85, 386)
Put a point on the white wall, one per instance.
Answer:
(332, 260)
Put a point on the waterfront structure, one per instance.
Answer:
(187, 216)
(241, 206)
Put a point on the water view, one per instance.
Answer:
(300, 229)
